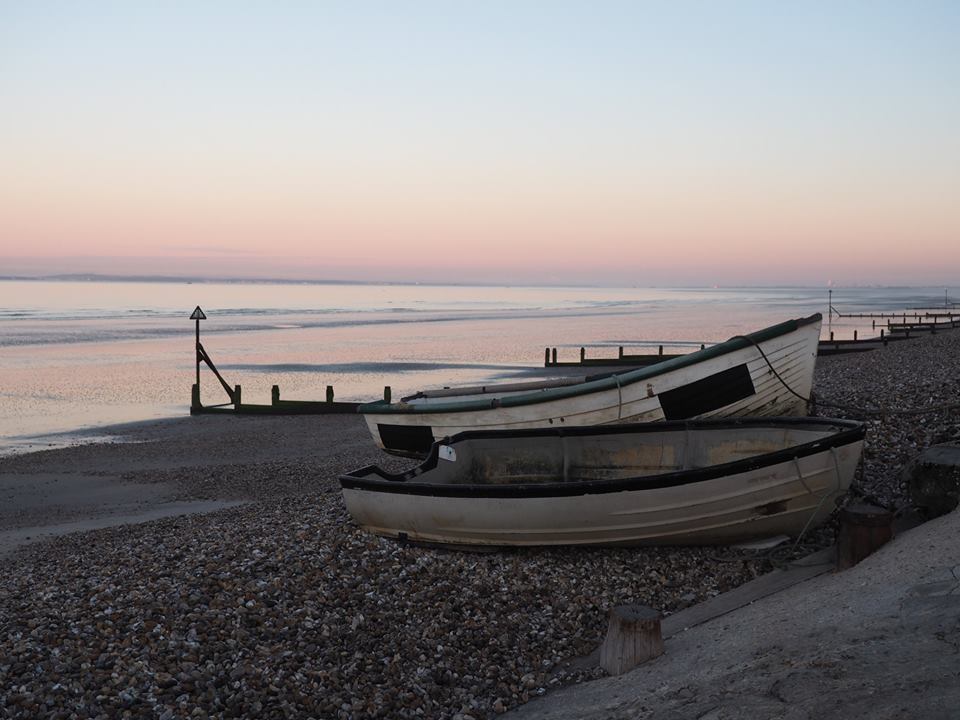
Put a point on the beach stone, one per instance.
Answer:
(932, 479)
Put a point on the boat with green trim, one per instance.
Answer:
(765, 373)
(688, 482)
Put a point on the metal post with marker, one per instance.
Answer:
(197, 315)
(829, 310)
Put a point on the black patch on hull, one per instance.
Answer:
(706, 394)
(414, 439)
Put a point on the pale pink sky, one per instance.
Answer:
(616, 146)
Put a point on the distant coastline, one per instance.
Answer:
(190, 279)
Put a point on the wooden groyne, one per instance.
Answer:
(276, 406)
(235, 405)
(910, 325)
(635, 360)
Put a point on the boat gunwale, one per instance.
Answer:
(847, 432)
(608, 382)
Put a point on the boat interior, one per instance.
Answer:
(564, 458)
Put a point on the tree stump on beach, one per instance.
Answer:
(633, 637)
(863, 530)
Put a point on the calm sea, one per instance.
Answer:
(80, 355)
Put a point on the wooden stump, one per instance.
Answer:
(863, 530)
(633, 637)
(932, 479)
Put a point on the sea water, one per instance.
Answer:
(77, 355)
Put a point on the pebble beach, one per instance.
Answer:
(280, 607)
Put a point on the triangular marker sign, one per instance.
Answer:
(198, 314)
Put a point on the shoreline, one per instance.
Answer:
(281, 590)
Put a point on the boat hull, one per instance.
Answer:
(781, 492)
(731, 380)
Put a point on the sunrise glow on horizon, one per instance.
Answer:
(609, 143)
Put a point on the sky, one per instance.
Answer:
(609, 143)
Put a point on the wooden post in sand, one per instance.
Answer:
(633, 637)
(863, 530)
(275, 395)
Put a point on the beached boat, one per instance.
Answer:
(746, 375)
(694, 482)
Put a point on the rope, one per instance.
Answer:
(945, 407)
(836, 466)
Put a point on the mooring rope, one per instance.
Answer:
(848, 408)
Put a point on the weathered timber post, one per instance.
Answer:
(854, 335)
(195, 399)
(236, 397)
(386, 393)
(620, 352)
(633, 637)
(831, 336)
(554, 356)
(546, 357)
(932, 479)
(863, 530)
(275, 395)
(583, 354)
(874, 325)
(329, 393)
(660, 351)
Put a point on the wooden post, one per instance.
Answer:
(831, 335)
(874, 325)
(854, 335)
(554, 356)
(329, 393)
(633, 637)
(620, 353)
(275, 395)
(195, 397)
(583, 354)
(863, 529)
(386, 393)
(546, 357)
(660, 351)
(236, 397)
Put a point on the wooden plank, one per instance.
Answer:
(773, 582)
(283, 407)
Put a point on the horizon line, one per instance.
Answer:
(190, 279)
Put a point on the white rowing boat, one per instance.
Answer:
(765, 373)
(696, 482)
